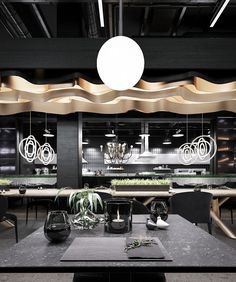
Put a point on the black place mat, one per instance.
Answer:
(103, 249)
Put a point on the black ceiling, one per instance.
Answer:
(142, 18)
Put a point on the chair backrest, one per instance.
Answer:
(104, 196)
(193, 206)
(230, 184)
(139, 208)
(3, 206)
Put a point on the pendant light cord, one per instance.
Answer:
(120, 17)
(202, 123)
(30, 121)
(186, 128)
(46, 125)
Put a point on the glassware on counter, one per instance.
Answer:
(158, 209)
(57, 226)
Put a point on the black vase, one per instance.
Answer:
(158, 208)
(57, 226)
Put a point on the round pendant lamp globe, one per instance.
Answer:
(120, 63)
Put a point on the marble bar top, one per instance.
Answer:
(191, 248)
(132, 193)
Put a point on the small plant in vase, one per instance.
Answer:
(83, 203)
(4, 183)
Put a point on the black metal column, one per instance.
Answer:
(69, 151)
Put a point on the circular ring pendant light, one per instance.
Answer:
(203, 148)
(28, 146)
(45, 153)
(120, 61)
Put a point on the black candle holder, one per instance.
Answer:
(118, 216)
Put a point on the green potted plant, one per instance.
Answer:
(83, 203)
(4, 183)
(137, 184)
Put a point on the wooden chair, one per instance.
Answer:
(231, 203)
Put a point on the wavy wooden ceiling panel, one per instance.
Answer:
(190, 96)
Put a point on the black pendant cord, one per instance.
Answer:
(120, 17)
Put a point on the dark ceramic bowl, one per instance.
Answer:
(22, 190)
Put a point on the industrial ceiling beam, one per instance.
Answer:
(12, 22)
(178, 21)
(81, 53)
(41, 20)
(153, 2)
(146, 19)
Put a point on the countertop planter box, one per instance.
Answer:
(142, 187)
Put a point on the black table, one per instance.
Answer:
(192, 250)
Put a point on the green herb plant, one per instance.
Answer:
(4, 182)
(140, 242)
(137, 181)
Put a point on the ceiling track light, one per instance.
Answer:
(138, 142)
(48, 133)
(85, 142)
(167, 141)
(178, 133)
(112, 134)
(101, 16)
(219, 10)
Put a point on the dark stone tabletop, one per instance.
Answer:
(191, 248)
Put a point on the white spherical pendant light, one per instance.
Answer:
(120, 63)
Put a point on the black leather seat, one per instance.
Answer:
(193, 206)
(7, 216)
